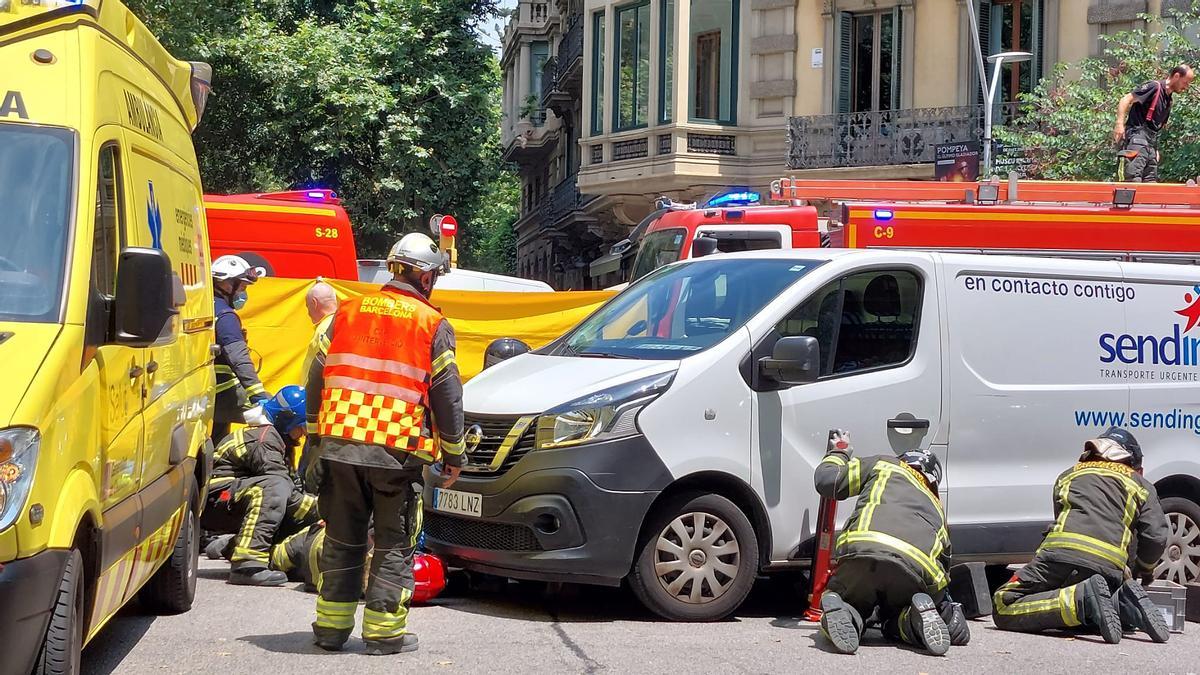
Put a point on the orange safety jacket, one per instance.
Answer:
(377, 373)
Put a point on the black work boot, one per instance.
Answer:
(256, 576)
(397, 645)
(218, 548)
(1138, 612)
(840, 623)
(956, 623)
(926, 626)
(1098, 609)
(330, 639)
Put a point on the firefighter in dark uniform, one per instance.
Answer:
(1141, 116)
(298, 556)
(1107, 517)
(391, 403)
(253, 493)
(893, 554)
(238, 386)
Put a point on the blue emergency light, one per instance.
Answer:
(735, 197)
(884, 214)
(316, 194)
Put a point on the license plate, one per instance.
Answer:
(460, 503)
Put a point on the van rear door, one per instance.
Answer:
(878, 328)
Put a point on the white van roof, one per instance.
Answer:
(376, 272)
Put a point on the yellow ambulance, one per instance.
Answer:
(106, 318)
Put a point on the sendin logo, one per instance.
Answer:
(154, 219)
(1176, 349)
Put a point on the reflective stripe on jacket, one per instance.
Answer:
(1098, 507)
(238, 384)
(377, 373)
(897, 516)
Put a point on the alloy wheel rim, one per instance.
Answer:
(697, 558)
(1180, 563)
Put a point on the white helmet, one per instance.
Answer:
(417, 251)
(234, 268)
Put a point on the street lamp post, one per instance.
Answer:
(997, 60)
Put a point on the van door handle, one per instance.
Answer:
(152, 367)
(135, 372)
(896, 423)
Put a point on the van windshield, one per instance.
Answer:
(657, 249)
(683, 309)
(35, 191)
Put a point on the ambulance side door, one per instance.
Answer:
(878, 331)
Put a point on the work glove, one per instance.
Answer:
(839, 442)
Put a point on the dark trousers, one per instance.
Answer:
(259, 510)
(350, 495)
(1043, 595)
(869, 584)
(1142, 168)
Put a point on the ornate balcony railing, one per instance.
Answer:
(549, 79)
(886, 137)
(570, 47)
(562, 200)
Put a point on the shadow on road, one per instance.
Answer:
(296, 642)
(106, 652)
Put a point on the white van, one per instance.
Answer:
(457, 279)
(670, 439)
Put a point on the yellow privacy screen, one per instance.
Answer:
(279, 329)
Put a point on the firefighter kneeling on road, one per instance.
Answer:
(1107, 516)
(892, 555)
(391, 403)
(253, 493)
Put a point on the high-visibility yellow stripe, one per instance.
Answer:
(834, 459)
(383, 625)
(307, 504)
(335, 615)
(1086, 544)
(855, 467)
(256, 389)
(254, 497)
(1070, 616)
(900, 546)
(864, 522)
(443, 361)
(225, 386)
(263, 208)
(452, 448)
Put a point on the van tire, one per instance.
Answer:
(738, 563)
(1183, 519)
(60, 652)
(173, 587)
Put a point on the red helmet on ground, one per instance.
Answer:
(430, 576)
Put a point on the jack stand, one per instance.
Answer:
(823, 559)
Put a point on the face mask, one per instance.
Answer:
(239, 300)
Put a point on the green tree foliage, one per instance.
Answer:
(493, 248)
(392, 103)
(1067, 121)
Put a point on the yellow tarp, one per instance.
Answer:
(279, 329)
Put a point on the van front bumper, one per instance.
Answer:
(571, 514)
(28, 591)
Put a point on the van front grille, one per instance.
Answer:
(495, 430)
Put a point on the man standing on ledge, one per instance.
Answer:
(1141, 116)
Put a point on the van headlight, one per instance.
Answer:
(18, 455)
(604, 416)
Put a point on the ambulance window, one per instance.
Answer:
(109, 216)
(865, 321)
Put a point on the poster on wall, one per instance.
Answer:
(956, 162)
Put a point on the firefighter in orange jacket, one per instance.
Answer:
(391, 403)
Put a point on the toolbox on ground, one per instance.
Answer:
(1171, 599)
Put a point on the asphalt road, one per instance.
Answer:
(531, 628)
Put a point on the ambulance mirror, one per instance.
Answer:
(145, 304)
(795, 360)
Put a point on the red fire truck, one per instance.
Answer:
(1148, 222)
(299, 234)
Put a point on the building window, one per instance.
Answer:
(632, 109)
(713, 60)
(598, 73)
(1014, 26)
(538, 53)
(666, 71)
(869, 61)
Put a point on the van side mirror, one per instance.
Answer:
(704, 245)
(620, 247)
(148, 298)
(795, 360)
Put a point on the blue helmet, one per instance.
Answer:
(286, 409)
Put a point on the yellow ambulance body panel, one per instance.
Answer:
(106, 317)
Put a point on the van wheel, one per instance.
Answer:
(698, 560)
(172, 589)
(1181, 561)
(63, 643)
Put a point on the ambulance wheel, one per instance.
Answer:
(1181, 561)
(173, 587)
(63, 643)
(698, 559)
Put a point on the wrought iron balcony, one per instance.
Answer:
(564, 199)
(570, 51)
(549, 77)
(884, 138)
